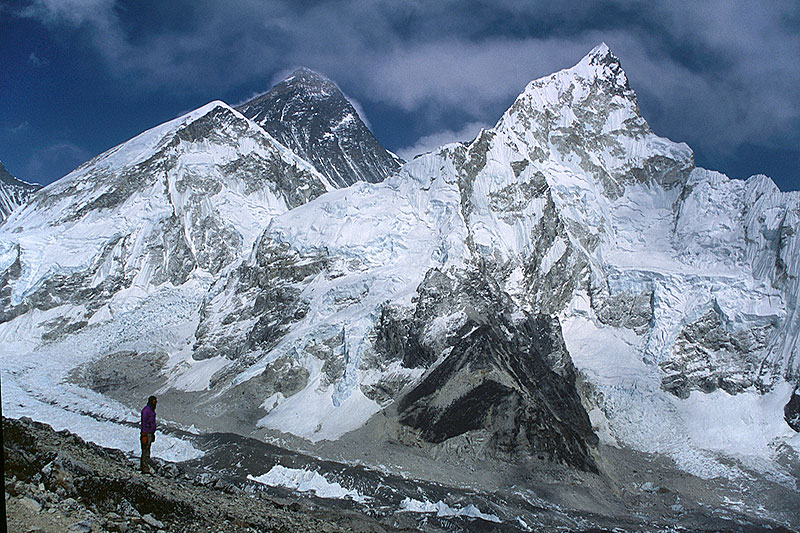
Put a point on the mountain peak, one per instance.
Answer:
(302, 81)
(600, 51)
(590, 83)
(308, 77)
(577, 110)
(601, 63)
(306, 81)
(13, 192)
(307, 113)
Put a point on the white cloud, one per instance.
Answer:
(466, 74)
(431, 142)
(71, 12)
(36, 61)
(714, 73)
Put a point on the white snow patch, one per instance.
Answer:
(197, 376)
(411, 505)
(312, 414)
(303, 480)
(552, 256)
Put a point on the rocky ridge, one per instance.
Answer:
(13, 192)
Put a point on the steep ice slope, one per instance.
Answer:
(305, 303)
(182, 200)
(309, 114)
(751, 226)
(13, 192)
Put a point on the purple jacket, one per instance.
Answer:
(148, 419)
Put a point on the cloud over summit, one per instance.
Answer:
(715, 74)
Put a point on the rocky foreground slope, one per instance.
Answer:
(56, 482)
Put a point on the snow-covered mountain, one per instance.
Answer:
(13, 192)
(565, 283)
(572, 206)
(308, 113)
(183, 200)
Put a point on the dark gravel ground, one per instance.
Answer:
(56, 482)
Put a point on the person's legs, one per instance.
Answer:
(145, 463)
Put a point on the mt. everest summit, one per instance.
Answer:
(565, 282)
(308, 114)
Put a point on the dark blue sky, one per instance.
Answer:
(80, 76)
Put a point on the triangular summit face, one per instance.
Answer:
(308, 113)
(587, 118)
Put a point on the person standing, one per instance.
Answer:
(148, 432)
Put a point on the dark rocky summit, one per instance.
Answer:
(309, 114)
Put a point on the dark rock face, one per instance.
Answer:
(497, 378)
(13, 192)
(399, 339)
(308, 114)
(791, 411)
(708, 357)
(511, 379)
